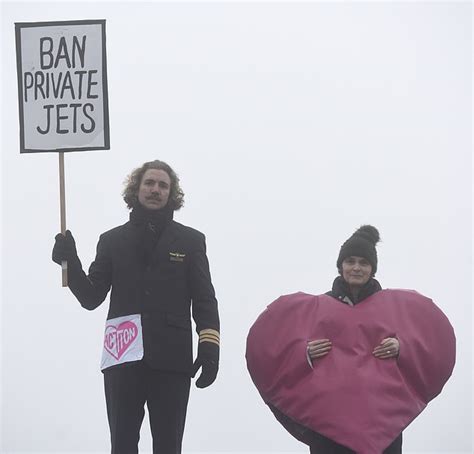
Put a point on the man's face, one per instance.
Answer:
(154, 190)
(356, 271)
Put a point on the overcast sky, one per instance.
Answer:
(290, 125)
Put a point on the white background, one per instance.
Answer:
(290, 125)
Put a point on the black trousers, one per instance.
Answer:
(166, 394)
(322, 445)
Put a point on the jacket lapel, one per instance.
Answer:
(166, 240)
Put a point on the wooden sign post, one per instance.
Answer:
(62, 91)
(62, 210)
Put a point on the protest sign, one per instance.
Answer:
(62, 91)
(62, 86)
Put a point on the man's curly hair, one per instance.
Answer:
(132, 185)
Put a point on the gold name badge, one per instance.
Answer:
(177, 257)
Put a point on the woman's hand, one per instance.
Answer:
(388, 348)
(319, 348)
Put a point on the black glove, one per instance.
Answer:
(64, 249)
(208, 358)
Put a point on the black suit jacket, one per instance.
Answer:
(176, 283)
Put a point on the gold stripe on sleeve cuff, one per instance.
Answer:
(209, 335)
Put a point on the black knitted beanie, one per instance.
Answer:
(361, 244)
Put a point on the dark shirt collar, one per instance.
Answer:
(341, 290)
(157, 218)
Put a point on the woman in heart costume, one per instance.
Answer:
(350, 369)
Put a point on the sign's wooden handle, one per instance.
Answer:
(64, 272)
(62, 202)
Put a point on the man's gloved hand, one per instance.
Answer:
(208, 358)
(64, 249)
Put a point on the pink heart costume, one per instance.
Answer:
(350, 397)
(349, 391)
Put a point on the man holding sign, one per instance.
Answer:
(158, 273)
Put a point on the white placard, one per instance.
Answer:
(62, 86)
(123, 341)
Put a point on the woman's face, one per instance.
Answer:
(356, 271)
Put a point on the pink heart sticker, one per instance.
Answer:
(118, 339)
(350, 396)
